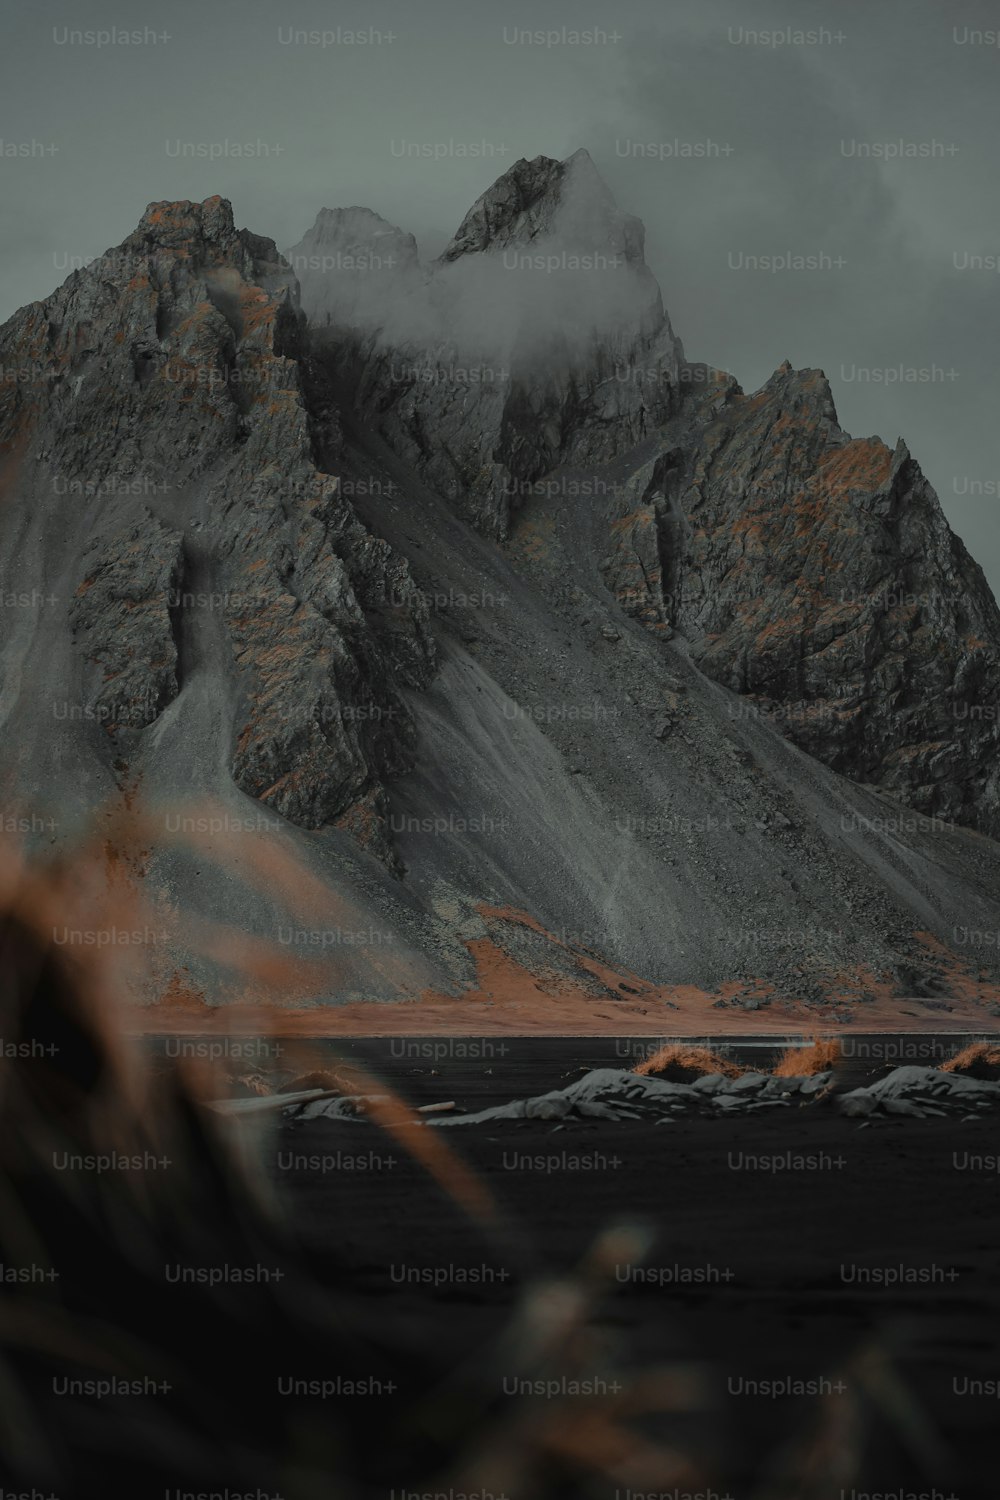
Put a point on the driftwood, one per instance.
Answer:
(270, 1102)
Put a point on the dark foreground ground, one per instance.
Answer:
(786, 1247)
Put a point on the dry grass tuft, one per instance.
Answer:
(677, 1063)
(317, 1078)
(823, 1052)
(977, 1060)
(249, 1086)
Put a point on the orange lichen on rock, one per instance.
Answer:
(863, 464)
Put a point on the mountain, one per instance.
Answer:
(445, 636)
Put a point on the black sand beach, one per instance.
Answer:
(810, 1274)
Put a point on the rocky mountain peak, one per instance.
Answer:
(541, 309)
(554, 204)
(353, 266)
(204, 236)
(356, 225)
(805, 389)
(181, 223)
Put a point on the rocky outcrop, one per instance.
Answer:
(914, 1092)
(648, 534)
(144, 362)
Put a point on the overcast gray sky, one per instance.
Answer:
(727, 140)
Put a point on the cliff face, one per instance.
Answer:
(545, 667)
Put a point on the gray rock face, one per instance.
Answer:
(121, 616)
(648, 530)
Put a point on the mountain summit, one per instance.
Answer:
(349, 263)
(537, 338)
(446, 634)
(546, 201)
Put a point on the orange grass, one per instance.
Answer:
(823, 1052)
(679, 1063)
(977, 1060)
